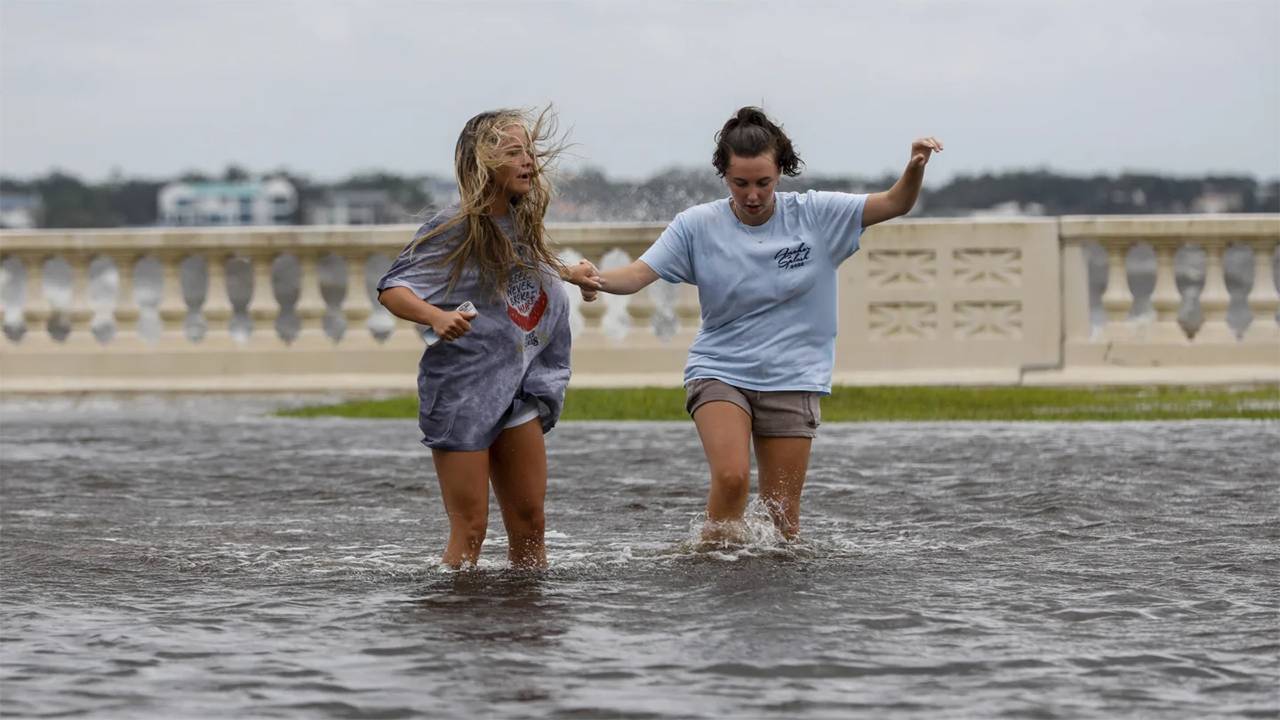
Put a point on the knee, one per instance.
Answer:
(527, 521)
(733, 482)
(470, 528)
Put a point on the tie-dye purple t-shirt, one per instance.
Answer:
(517, 348)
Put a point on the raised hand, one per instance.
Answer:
(922, 149)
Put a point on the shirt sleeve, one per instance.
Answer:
(837, 219)
(419, 266)
(671, 255)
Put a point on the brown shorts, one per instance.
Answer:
(785, 413)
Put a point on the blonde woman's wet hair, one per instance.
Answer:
(483, 147)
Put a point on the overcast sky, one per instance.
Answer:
(330, 87)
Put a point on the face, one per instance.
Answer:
(515, 176)
(751, 182)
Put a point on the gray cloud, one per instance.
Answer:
(331, 87)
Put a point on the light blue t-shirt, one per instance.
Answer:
(768, 293)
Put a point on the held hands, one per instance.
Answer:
(586, 277)
(453, 324)
(921, 150)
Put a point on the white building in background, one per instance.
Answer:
(1218, 202)
(19, 211)
(260, 202)
(356, 207)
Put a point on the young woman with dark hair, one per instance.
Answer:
(765, 266)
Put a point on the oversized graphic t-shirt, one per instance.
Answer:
(517, 349)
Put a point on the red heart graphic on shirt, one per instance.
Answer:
(526, 300)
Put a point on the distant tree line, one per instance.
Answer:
(589, 195)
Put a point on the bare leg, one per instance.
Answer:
(464, 487)
(518, 464)
(783, 462)
(725, 430)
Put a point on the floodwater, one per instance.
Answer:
(197, 557)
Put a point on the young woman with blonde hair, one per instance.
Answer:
(494, 382)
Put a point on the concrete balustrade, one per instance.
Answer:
(1180, 328)
(1070, 300)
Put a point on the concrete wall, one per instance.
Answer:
(1035, 301)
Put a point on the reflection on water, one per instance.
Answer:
(194, 557)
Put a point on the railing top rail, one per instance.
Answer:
(1182, 227)
(250, 238)
(390, 238)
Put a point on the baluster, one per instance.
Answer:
(1117, 299)
(35, 306)
(356, 306)
(80, 311)
(1264, 298)
(380, 323)
(311, 304)
(146, 296)
(331, 278)
(126, 306)
(58, 288)
(1165, 299)
(217, 303)
(194, 274)
(262, 307)
(1214, 298)
(103, 297)
(12, 296)
(173, 306)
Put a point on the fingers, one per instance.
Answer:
(458, 326)
(922, 148)
(592, 283)
(586, 275)
(931, 142)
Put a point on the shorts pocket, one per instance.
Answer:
(813, 409)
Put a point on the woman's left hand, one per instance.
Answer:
(922, 149)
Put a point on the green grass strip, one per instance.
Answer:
(902, 403)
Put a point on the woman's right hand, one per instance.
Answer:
(451, 325)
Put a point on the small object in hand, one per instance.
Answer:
(429, 333)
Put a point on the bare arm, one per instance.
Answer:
(899, 199)
(625, 280)
(405, 304)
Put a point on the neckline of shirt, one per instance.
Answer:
(753, 229)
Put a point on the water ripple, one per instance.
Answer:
(200, 559)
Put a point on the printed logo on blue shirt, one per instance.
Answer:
(790, 258)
